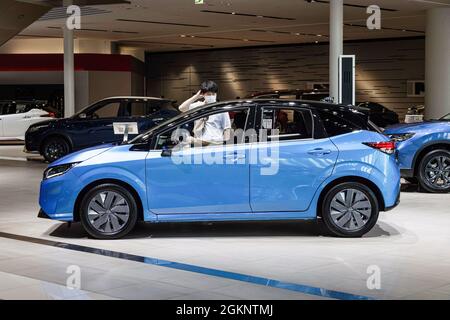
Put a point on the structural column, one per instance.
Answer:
(336, 45)
(69, 70)
(437, 63)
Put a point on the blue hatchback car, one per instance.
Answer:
(291, 160)
(424, 152)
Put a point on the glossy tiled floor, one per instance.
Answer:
(410, 246)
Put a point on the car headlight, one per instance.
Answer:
(401, 137)
(58, 170)
(34, 129)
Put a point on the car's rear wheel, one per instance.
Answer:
(55, 148)
(108, 211)
(434, 171)
(350, 209)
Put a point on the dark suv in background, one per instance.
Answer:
(93, 125)
(378, 114)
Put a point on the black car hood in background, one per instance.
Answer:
(47, 123)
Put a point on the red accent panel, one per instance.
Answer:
(83, 62)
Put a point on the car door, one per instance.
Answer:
(95, 126)
(15, 121)
(292, 163)
(200, 180)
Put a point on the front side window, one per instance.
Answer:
(215, 129)
(286, 123)
(109, 110)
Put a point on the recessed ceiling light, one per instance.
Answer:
(319, 35)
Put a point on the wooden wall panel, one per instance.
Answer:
(383, 68)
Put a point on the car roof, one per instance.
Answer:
(288, 102)
(288, 91)
(135, 98)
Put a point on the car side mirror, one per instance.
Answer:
(166, 153)
(82, 116)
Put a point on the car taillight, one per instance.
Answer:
(387, 147)
(50, 114)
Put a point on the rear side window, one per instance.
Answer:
(335, 124)
(286, 123)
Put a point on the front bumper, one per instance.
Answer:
(57, 197)
(43, 215)
(407, 173)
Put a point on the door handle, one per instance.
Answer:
(235, 156)
(319, 152)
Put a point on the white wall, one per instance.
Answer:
(55, 45)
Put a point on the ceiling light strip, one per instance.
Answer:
(247, 15)
(164, 23)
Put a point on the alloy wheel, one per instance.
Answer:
(350, 209)
(55, 150)
(437, 172)
(108, 212)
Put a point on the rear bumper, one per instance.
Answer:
(397, 202)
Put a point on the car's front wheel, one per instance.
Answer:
(55, 148)
(434, 171)
(350, 209)
(108, 211)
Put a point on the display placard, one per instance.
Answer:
(125, 127)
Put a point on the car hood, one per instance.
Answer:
(83, 155)
(416, 127)
(44, 123)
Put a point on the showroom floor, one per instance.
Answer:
(282, 260)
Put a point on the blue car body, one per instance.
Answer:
(167, 191)
(426, 136)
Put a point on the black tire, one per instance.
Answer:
(362, 191)
(426, 180)
(108, 233)
(54, 148)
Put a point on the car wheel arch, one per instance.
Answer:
(424, 150)
(56, 135)
(90, 186)
(340, 180)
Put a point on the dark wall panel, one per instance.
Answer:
(382, 70)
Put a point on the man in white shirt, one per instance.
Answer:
(214, 129)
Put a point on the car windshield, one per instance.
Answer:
(446, 117)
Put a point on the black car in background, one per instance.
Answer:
(93, 125)
(378, 114)
(297, 94)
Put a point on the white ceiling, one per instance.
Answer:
(186, 25)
